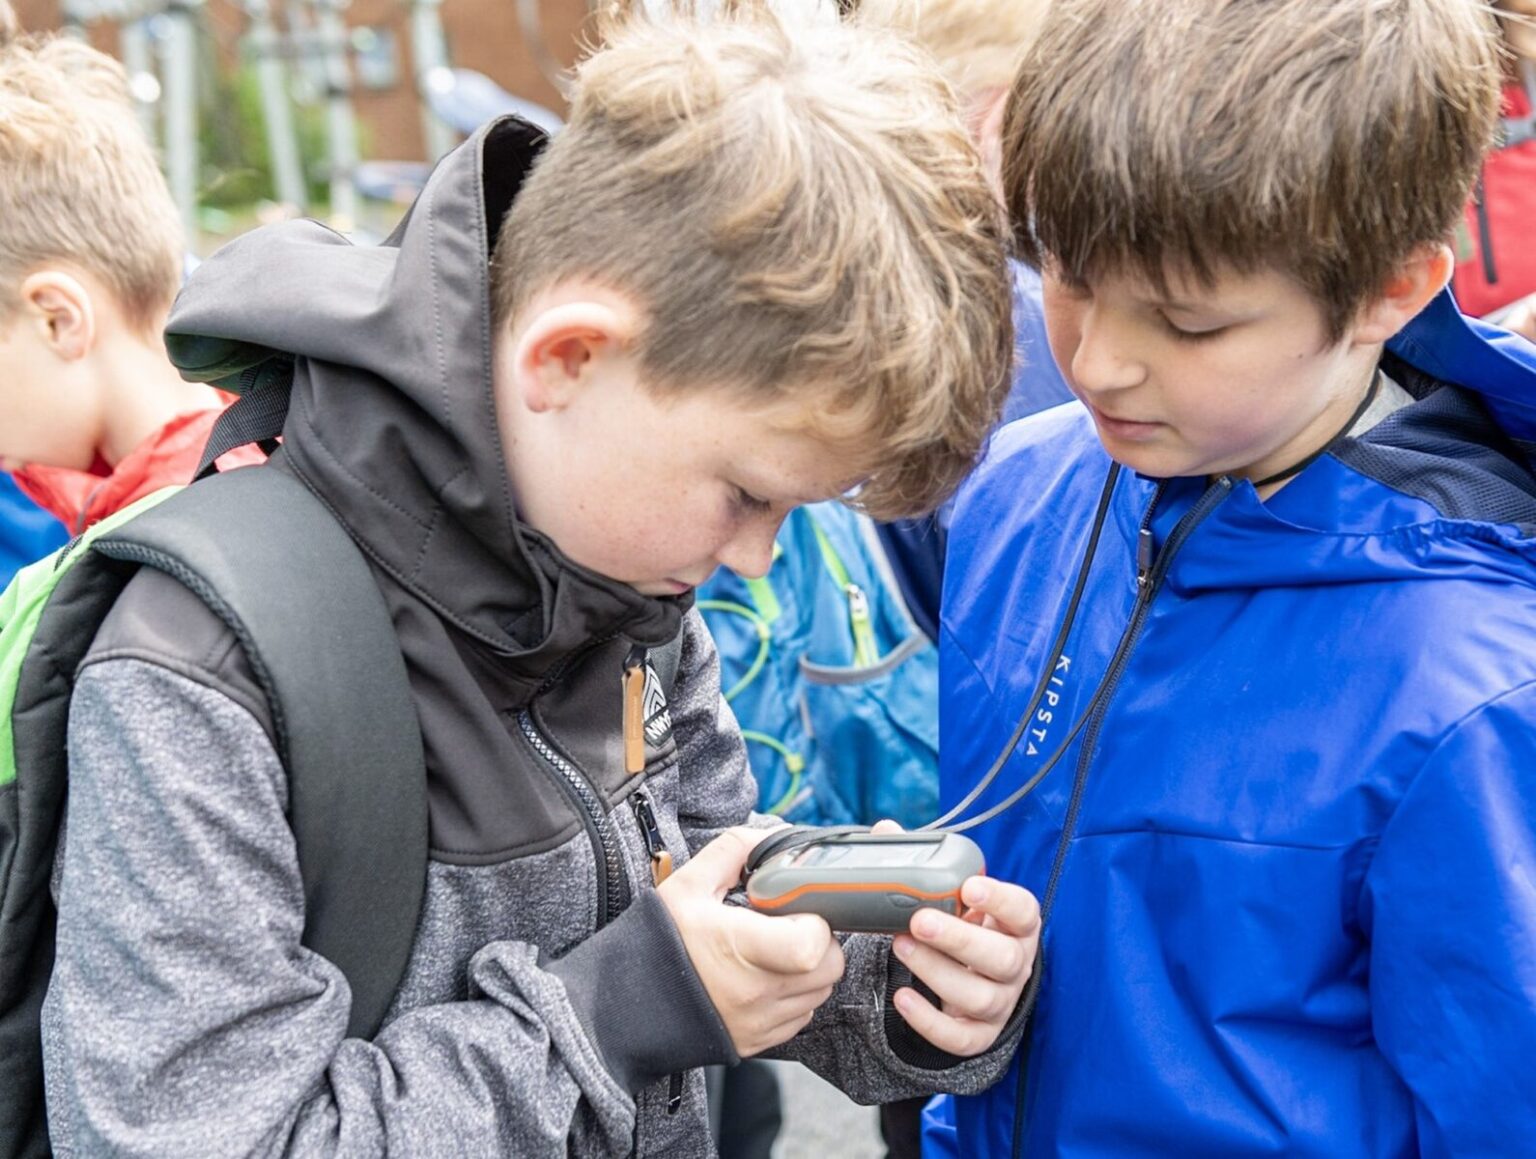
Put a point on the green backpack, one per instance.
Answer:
(271, 562)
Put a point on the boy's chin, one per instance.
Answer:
(661, 588)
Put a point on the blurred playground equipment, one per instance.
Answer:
(306, 63)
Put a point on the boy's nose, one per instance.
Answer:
(1101, 362)
(750, 553)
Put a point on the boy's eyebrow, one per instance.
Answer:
(1196, 307)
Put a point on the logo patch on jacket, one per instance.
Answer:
(658, 717)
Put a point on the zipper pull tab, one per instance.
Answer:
(661, 860)
(1145, 552)
(675, 1093)
(866, 653)
(634, 711)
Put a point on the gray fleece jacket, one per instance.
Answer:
(548, 999)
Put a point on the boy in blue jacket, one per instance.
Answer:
(1257, 620)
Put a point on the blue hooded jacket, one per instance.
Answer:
(1289, 856)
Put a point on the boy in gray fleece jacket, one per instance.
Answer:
(761, 266)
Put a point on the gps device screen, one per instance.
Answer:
(871, 854)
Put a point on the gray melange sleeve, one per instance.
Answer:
(715, 785)
(857, 1040)
(184, 1016)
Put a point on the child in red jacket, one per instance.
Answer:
(92, 414)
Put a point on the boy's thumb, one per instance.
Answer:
(719, 864)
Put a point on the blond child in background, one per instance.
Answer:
(92, 413)
(978, 44)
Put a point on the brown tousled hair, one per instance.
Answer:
(800, 214)
(1325, 138)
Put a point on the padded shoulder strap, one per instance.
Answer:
(271, 561)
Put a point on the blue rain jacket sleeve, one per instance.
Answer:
(939, 1137)
(1450, 908)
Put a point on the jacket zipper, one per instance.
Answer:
(613, 887)
(650, 832)
(661, 869)
(866, 652)
(1151, 569)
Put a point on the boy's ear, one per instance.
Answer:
(1423, 274)
(562, 348)
(60, 307)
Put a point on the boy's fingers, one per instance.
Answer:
(1012, 907)
(825, 975)
(796, 944)
(959, 1036)
(717, 867)
(963, 992)
(887, 826)
(992, 953)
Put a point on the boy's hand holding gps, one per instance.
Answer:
(766, 975)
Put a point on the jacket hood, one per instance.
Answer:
(392, 420)
(1497, 366)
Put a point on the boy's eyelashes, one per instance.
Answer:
(1184, 335)
(747, 502)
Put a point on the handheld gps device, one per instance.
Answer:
(861, 882)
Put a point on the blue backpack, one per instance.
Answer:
(835, 688)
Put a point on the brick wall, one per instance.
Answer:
(480, 34)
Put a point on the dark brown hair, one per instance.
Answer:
(1324, 138)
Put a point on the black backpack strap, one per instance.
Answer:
(261, 376)
(271, 561)
(257, 418)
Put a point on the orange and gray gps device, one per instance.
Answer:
(860, 882)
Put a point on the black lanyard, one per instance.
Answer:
(1298, 468)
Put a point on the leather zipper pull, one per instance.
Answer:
(634, 711)
(661, 859)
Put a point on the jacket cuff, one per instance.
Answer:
(640, 1000)
(915, 1050)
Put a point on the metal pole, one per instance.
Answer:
(133, 40)
(430, 53)
(178, 66)
(341, 125)
(265, 49)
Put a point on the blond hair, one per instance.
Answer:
(978, 43)
(802, 217)
(78, 179)
(1327, 139)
